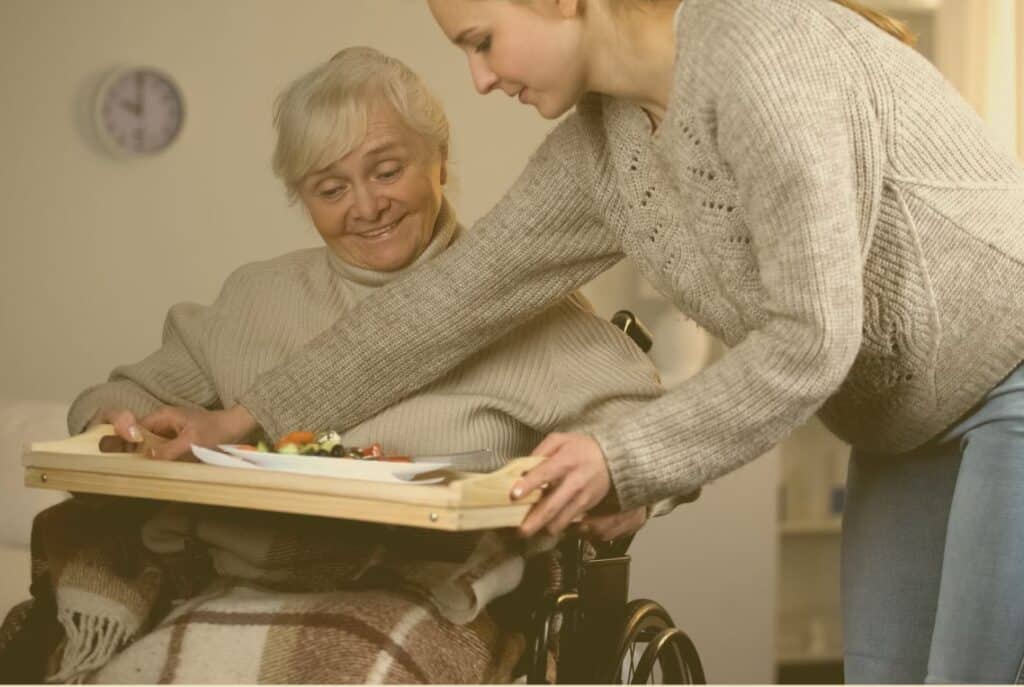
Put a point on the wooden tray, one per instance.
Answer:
(466, 501)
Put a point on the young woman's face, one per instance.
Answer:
(376, 207)
(530, 50)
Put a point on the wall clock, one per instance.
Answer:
(139, 111)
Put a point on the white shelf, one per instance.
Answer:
(811, 527)
(831, 656)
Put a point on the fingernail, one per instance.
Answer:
(584, 529)
(517, 492)
(151, 453)
(134, 433)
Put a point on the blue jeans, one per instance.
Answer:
(933, 553)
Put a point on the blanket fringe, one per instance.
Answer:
(90, 642)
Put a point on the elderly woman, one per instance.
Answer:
(364, 146)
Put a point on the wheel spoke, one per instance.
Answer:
(667, 657)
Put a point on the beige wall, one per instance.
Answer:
(94, 250)
(980, 48)
(1019, 68)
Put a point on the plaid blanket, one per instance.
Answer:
(149, 592)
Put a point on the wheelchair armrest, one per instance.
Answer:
(613, 548)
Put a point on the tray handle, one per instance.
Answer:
(495, 487)
(88, 443)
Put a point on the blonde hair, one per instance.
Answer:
(322, 116)
(893, 27)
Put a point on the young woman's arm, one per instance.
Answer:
(538, 244)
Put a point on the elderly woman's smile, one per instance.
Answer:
(383, 232)
(376, 207)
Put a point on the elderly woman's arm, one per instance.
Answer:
(173, 375)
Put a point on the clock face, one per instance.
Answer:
(140, 111)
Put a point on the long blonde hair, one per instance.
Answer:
(893, 27)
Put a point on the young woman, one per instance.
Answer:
(810, 190)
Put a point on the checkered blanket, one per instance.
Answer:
(155, 593)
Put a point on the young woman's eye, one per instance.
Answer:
(484, 45)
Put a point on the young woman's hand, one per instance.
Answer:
(124, 422)
(602, 528)
(187, 426)
(576, 476)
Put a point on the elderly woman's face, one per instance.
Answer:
(377, 206)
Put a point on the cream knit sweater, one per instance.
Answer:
(817, 196)
(566, 368)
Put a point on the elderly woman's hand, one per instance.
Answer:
(187, 426)
(124, 422)
(577, 477)
(602, 528)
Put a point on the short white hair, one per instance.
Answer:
(322, 116)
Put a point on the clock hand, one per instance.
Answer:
(134, 108)
(142, 94)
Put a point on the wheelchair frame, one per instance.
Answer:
(600, 629)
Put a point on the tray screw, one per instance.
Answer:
(433, 517)
(44, 478)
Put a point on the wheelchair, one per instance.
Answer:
(600, 635)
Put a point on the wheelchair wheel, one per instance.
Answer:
(652, 650)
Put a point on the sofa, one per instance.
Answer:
(22, 422)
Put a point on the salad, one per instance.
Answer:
(326, 445)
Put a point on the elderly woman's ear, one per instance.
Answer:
(444, 165)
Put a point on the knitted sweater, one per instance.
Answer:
(817, 196)
(563, 369)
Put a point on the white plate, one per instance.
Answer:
(348, 468)
(211, 457)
